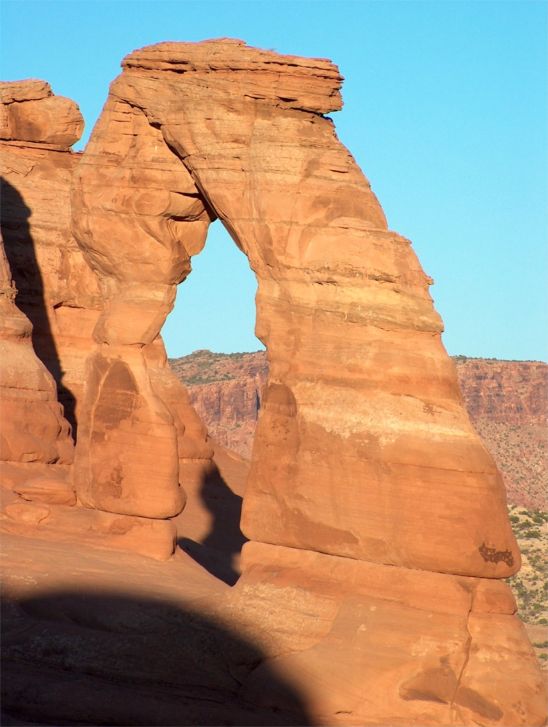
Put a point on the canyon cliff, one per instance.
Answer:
(376, 518)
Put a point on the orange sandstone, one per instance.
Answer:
(376, 516)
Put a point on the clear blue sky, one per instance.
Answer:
(445, 110)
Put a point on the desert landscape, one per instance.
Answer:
(351, 566)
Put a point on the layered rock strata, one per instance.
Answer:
(226, 391)
(63, 298)
(365, 468)
(506, 401)
(33, 426)
(350, 459)
(48, 315)
(138, 217)
(30, 113)
(56, 289)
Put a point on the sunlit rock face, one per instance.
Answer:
(376, 517)
(52, 302)
(29, 112)
(138, 217)
(363, 447)
(56, 289)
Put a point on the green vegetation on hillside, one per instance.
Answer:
(530, 585)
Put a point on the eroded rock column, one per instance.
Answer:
(138, 217)
(56, 289)
(33, 125)
(33, 426)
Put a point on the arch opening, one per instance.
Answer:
(204, 317)
(208, 337)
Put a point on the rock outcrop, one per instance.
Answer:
(30, 113)
(512, 391)
(376, 516)
(226, 390)
(508, 405)
(33, 426)
(63, 298)
(56, 289)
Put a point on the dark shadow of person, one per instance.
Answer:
(107, 658)
(218, 550)
(25, 270)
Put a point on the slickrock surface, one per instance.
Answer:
(83, 645)
(304, 632)
(377, 519)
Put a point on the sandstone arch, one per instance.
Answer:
(363, 448)
(370, 492)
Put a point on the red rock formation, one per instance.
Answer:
(508, 404)
(56, 289)
(33, 426)
(376, 515)
(226, 391)
(511, 391)
(506, 401)
(31, 113)
(391, 417)
(138, 217)
(60, 294)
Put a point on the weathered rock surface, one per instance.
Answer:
(56, 289)
(508, 404)
(350, 459)
(377, 518)
(515, 391)
(138, 217)
(29, 112)
(63, 298)
(226, 391)
(52, 490)
(506, 401)
(304, 638)
(426, 645)
(61, 295)
(33, 426)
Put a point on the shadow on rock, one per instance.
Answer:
(31, 299)
(217, 551)
(117, 659)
